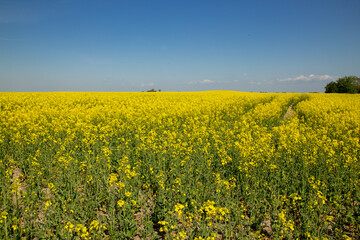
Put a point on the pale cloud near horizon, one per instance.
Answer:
(205, 81)
(208, 81)
(255, 83)
(311, 77)
(262, 82)
(301, 78)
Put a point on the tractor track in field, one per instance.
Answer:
(289, 113)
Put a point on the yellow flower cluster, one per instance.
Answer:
(194, 165)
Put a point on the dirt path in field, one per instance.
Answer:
(289, 113)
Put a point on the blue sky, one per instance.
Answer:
(177, 45)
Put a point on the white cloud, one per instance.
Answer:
(311, 77)
(205, 81)
(301, 78)
(255, 83)
(208, 81)
(262, 82)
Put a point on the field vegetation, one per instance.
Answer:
(195, 165)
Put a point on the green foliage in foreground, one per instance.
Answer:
(212, 165)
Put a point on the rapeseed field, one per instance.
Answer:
(194, 165)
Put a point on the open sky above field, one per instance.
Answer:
(177, 45)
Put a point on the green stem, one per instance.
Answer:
(6, 233)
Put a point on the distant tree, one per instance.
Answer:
(331, 88)
(348, 84)
(357, 85)
(151, 90)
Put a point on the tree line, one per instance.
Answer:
(348, 84)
